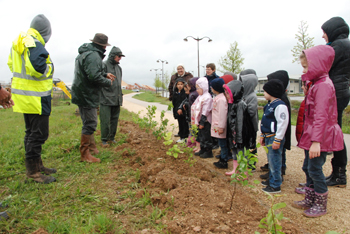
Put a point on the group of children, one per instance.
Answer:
(229, 115)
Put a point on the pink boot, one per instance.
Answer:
(235, 165)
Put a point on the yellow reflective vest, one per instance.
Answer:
(31, 90)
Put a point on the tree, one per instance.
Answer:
(166, 83)
(233, 60)
(304, 41)
(157, 83)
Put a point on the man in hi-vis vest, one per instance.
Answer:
(31, 90)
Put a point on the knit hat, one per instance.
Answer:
(227, 78)
(281, 75)
(274, 88)
(217, 84)
(42, 25)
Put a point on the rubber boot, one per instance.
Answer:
(92, 147)
(339, 177)
(319, 207)
(206, 154)
(308, 200)
(45, 170)
(85, 155)
(235, 165)
(197, 148)
(332, 174)
(33, 171)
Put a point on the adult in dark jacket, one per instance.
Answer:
(181, 73)
(89, 77)
(336, 33)
(111, 98)
(179, 96)
(284, 77)
(210, 74)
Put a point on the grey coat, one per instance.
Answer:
(250, 81)
(112, 96)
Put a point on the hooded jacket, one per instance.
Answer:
(186, 77)
(337, 31)
(219, 116)
(284, 77)
(201, 108)
(189, 99)
(239, 125)
(250, 81)
(178, 98)
(89, 76)
(320, 116)
(210, 78)
(32, 69)
(112, 96)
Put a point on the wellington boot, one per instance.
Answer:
(92, 147)
(235, 165)
(85, 155)
(45, 170)
(33, 172)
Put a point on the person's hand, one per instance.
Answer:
(110, 76)
(262, 141)
(275, 146)
(200, 126)
(315, 150)
(5, 99)
(220, 130)
(179, 112)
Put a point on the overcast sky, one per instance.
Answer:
(150, 30)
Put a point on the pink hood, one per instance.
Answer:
(203, 103)
(320, 59)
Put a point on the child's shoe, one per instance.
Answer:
(308, 200)
(319, 207)
(264, 176)
(221, 164)
(300, 190)
(265, 183)
(269, 189)
(265, 167)
(207, 154)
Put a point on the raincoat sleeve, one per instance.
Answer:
(282, 118)
(239, 125)
(94, 70)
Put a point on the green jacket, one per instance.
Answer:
(112, 96)
(89, 76)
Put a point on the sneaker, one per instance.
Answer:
(264, 176)
(269, 189)
(207, 154)
(181, 140)
(265, 183)
(265, 167)
(300, 190)
(221, 164)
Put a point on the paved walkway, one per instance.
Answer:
(134, 105)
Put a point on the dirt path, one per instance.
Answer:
(338, 217)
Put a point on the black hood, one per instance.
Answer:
(336, 28)
(280, 75)
(179, 80)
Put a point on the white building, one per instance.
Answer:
(294, 84)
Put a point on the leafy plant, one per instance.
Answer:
(160, 131)
(246, 161)
(272, 221)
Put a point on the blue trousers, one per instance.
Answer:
(275, 162)
(314, 173)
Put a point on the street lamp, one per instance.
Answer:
(198, 39)
(203, 69)
(166, 62)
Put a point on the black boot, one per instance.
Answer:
(265, 167)
(264, 176)
(221, 164)
(207, 154)
(332, 174)
(33, 171)
(339, 177)
(199, 152)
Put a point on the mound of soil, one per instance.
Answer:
(198, 196)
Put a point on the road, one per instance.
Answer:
(134, 105)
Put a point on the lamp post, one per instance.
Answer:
(203, 69)
(166, 62)
(198, 39)
(156, 69)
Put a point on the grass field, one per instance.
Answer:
(80, 202)
(152, 97)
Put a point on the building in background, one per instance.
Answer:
(294, 84)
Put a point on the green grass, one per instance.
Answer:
(152, 97)
(127, 91)
(83, 200)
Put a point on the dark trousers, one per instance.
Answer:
(37, 132)
(204, 137)
(89, 119)
(314, 173)
(284, 158)
(224, 149)
(109, 117)
(183, 127)
(340, 158)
